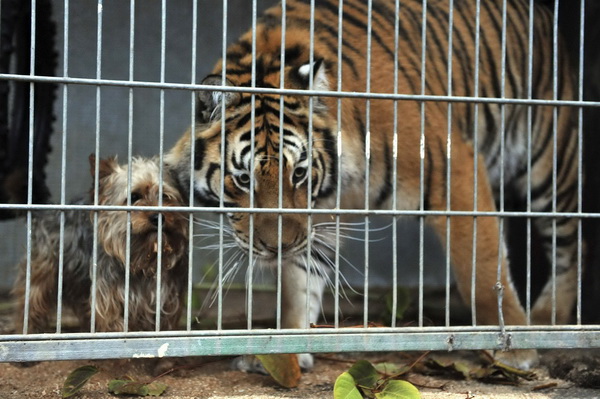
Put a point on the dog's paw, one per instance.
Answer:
(524, 359)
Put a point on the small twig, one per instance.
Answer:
(441, 387)
(409, 368)
(544, 386)
(418, 360)
(335, 359)
(183, 367)
(488, 356)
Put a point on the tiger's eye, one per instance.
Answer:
(244, 178)
(299, 173)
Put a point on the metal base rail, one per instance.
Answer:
(44, 347)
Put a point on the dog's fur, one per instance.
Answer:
(111, 256)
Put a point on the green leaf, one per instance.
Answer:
(364, 374)
(156, 388)
(392, 368)
(528, 375)
(345, 387)
(126, 387)
(77, 379)
(465, 369)
(398, 389)
(129, 387)
(403, 298)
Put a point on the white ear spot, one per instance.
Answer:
(304, 70)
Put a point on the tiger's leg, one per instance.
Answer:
(559, 235)
(297, 287)
(487, 244)
(565, 285)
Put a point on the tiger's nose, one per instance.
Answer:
(154, 218)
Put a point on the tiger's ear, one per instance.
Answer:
(300, 76)
(320, 81)
(208, 108)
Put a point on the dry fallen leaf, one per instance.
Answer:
(284, 368)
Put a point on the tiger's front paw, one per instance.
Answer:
(524, 359)
(248, 364)
(306, 361)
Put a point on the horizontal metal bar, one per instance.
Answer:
(320, 93)
(588, 328)
(157, 346)
(378, 212)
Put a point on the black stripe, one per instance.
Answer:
(360, 125)
(461, 53)
(440, 59)
(405, 34)
(444, 169)
(333, 32)
(199, 150)
(429, 172)
(329, 167)
(354, 21)
(386, 189)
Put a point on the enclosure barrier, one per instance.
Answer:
(392, 335)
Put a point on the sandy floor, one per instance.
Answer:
(212, 378)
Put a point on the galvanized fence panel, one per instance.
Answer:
(187, 341)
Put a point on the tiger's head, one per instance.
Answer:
(254, 170)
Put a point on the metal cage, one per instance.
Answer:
(168, 103)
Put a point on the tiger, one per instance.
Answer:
(465, 156)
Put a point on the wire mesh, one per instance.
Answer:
(252, 337)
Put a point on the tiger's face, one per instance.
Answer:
(259, 170)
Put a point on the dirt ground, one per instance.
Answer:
(212, 378)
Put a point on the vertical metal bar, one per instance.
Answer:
(449, 160)
(502, 144)
(129, 161)
(252, 173)
(475, 163)
(281, 160)
(311, 60)
(96, 168)
(30, 164)
(223, 155)
(529, 155)
(395, 168)
(554, 151)
(63, 167)
(580, 158)
(422, 158)
(339, 143)
(367, 161)
(163, 38)
(190, 293)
